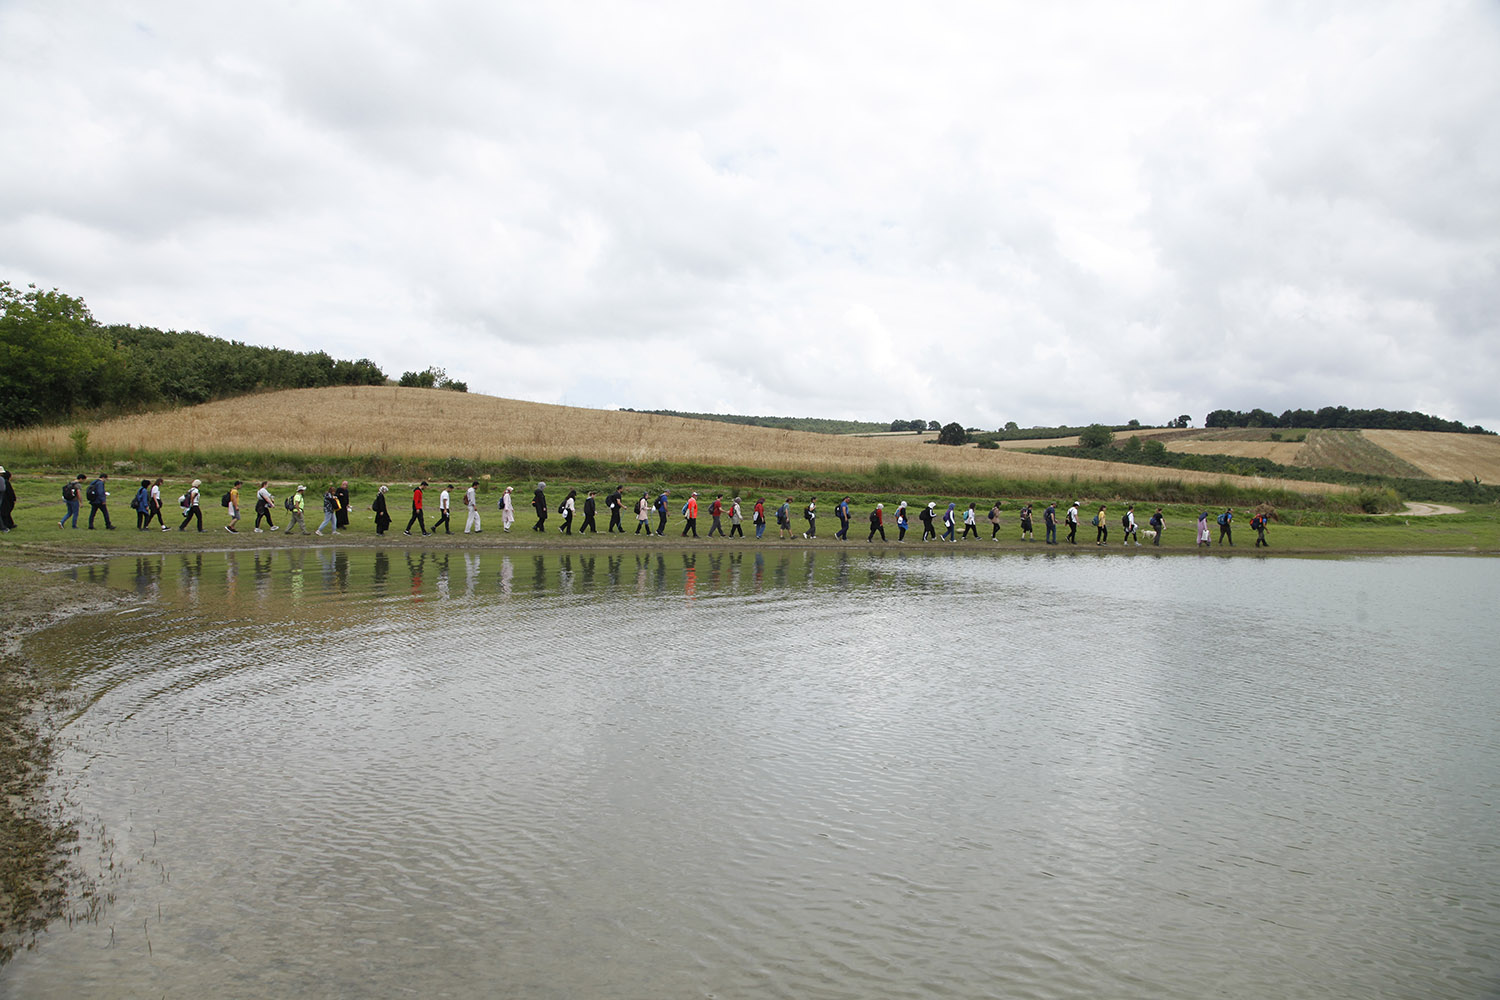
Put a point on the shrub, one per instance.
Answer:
(1096, 436)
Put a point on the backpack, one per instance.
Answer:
(141, 501)
(287, 503)
(1156, 520)
(184, 503)
(70, 491)
(874, 517)
(224, 500)
(562, 507)
(1096, 520)
(95, 492)
(1125, 522)
(1224, 518)
(1257, 522)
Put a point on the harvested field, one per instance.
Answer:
(1282, 452)
(1444, 456)
(1353, 451)
(433, 423)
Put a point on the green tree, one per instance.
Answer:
(953, 433)
(1096, 436)
(51, 359)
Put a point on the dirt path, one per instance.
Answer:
(1426, 510)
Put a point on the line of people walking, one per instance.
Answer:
(937, 524)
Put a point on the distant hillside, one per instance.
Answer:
(56, 360)
(814, 425)
(1341, 418)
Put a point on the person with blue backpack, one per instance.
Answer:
(141, 504)
(1226, 519)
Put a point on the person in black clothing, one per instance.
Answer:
(877, 522)
(341, 517)
(539, 502)
(567, 513)
(417, 516)
(142, 505)
(1226, 529)
(588, 514)
(616, 503)
(1258, 522)
(98, 497)
(8, 503)
(929, 530)
(382, 512)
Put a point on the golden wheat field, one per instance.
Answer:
(1444, 456)
(433, 423)
(1281, 452)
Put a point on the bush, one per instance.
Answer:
(1096, 436)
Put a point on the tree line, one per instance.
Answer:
(1340, 417)
(57, 360)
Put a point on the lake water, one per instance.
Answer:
(783, 774)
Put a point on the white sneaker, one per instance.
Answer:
(258, 531)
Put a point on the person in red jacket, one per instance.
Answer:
(715, 511)
(877, 522)
(416, 510)
(690, 511)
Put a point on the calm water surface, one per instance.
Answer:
(328, 773)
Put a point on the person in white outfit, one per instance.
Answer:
(471, 501)
(507, 510)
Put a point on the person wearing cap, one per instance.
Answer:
(616, 504)
(928, 515)
(690, 512)
(1072, 518)
(382, 511)
(471, 501)
(539, 504)
(877, 522)
(507, 509)
(736, 517)
(189, 503)
(416, 509)
(716, 511)
(297, 502)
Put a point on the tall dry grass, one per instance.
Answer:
(431, 423)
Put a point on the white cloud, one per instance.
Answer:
(986, 213)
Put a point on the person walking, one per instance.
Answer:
(690, 512)
(736, 519)
(971, 522)
(471, 501)
(616, 504)
(715, 512)
(445, 500)
(98, 498)
(331, 511)
(929, 519)
(297, 501)
(539, 504)
(566, 510)
(1101, 528)
(995, 522)
(417, 517)
(1128, 523)
(1157, 522)
(141, 504)
(507, 509)
(643, 513)
(1049, 521)
(902, 522)
(841, 511)
(950, 522)
(1226, 529)
(71, 491)
(661, 512)
(264, 504)
(154, 499)
(341, 516)
(1072, 518)
(589, 509)
(810, 515)
(382, 511)
(190, 506)
(877, 522)
(1258, 522)
(1027, 535)
(784, 519)
(758, 516)
(7, 500)
(234, 508)
(1203, 538)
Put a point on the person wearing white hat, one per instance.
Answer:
(929, 513)
(877, 522)
(507, 509)
(189, 504)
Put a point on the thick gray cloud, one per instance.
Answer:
(996, 212)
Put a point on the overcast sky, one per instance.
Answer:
(979, 212)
